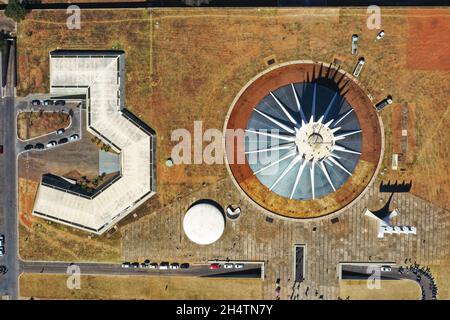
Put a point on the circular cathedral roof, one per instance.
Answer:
(303, 140)
(203, 223)
(312, 140)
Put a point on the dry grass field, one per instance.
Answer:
(442, 276)
(35, 124)
(390, 290)
(188, 65)
(140, 288)
(100, 29)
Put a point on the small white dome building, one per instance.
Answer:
(204, 223)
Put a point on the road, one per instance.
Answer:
(8, 195)
(355, 271)
(250, 270)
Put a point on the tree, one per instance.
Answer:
(2, 41)
(15, 10)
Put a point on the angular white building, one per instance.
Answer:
(100, 76)
(383, 222)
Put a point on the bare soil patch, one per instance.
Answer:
(34, 124)
(428, 49)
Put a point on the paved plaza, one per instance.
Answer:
(159, 236)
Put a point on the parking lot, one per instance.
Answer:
(245, 269)
(61, 136)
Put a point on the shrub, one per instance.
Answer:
(15, 10)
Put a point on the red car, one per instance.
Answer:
(214, 266)
(1, 148)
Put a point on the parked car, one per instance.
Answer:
(125, 265)
(384, 103)
(359, 66)
(1, 148)
(36, 102)
(135, 265)
(39, 146)
(354, 44)
(228, 266)
(238, 265)
(74, 137)
(385, 268)
(214, 266)
(153, 265)
(29, 147)
(174, 266)
(48, 102)
(60, 131)
(2, 240)
(163, 266)
(380, 35)
(184, 266)
(60, 103)
(2, 251)
(145, 264)
(51, 144)
(63, 140)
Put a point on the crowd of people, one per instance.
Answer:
(3, 269)
(421, 272)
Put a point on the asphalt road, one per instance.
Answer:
(195, 270)
(350, 271)
(8, 195)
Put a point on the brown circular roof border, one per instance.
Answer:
(372, 141)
